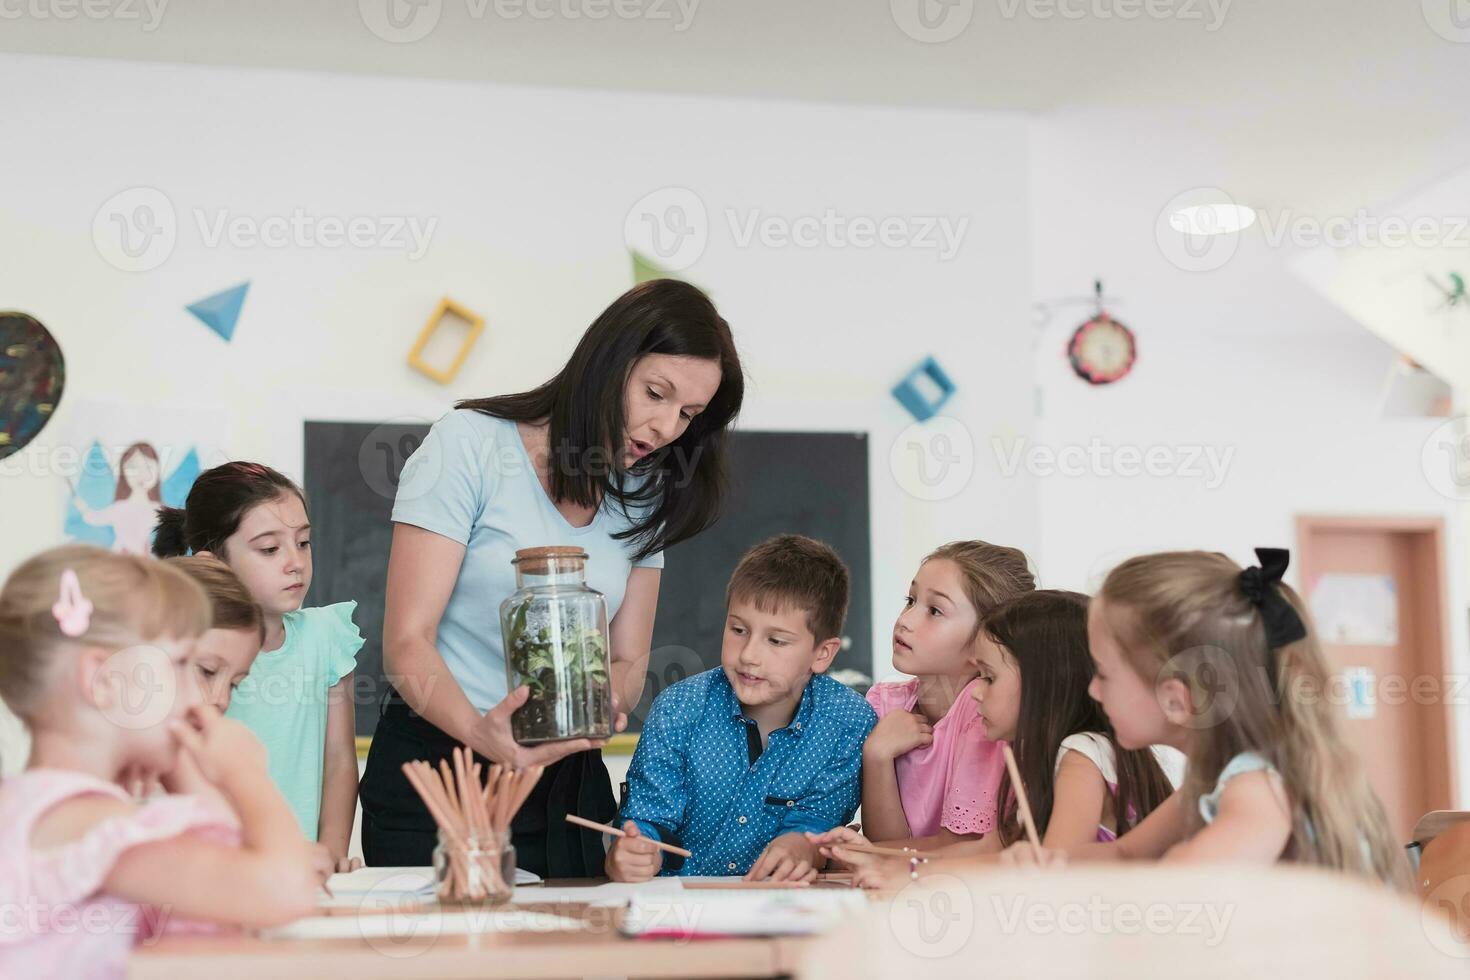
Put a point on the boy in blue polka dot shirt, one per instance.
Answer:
(736, 764)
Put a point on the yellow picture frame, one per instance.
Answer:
(446, 306)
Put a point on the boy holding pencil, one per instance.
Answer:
(736, 764)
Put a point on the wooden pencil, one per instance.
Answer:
(885, 851)
(593, 825)
(1022, 805)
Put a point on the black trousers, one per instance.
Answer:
(397, 829)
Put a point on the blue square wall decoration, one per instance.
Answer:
(924, 390)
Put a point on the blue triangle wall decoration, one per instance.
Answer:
(220, 311)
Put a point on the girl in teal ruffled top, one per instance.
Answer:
(297, 697)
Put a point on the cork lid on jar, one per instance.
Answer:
(538, 561)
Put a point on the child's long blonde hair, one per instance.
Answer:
(1184, 615)
(134, 600)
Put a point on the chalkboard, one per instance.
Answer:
(813, 483)
(351, 476)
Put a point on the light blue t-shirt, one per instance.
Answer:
(472, 481)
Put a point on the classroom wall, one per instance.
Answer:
(529, 191)
(1245, 361)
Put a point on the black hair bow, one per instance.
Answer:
(1259, 583)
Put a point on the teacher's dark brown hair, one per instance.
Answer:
(679, 489)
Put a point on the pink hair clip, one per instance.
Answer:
(73, 611)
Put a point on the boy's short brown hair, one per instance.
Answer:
(794, 571)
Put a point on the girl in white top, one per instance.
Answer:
(1097, 748)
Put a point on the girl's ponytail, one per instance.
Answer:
(169, 538)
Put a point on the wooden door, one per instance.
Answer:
(1376, 589)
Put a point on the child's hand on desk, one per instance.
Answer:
(1022, 854)
(633, 858)
(897, 733)
(321, 862)
(868, 870)
(790, 857)
(825, 842)
(876, 871)
(325, 865)
(837, 835)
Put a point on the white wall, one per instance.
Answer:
(530, 190)
(1245, 360)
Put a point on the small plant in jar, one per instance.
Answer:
(554, 628)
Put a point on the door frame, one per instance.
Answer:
(1432, 619)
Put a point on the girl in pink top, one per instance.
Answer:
(929, 772)
(97, 656)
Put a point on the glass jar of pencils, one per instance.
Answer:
(478, 868)
(556, 643)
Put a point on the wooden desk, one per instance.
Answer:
(599, 951)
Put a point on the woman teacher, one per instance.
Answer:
(621, 454)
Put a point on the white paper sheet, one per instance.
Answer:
(401, 927)
(1356, 610)
(754, 912)
(607, 895)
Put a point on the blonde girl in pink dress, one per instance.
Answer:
(97, 657)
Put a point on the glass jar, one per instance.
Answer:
(479, 868)
(556, 643)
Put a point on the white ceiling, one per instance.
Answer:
(1308, 102)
